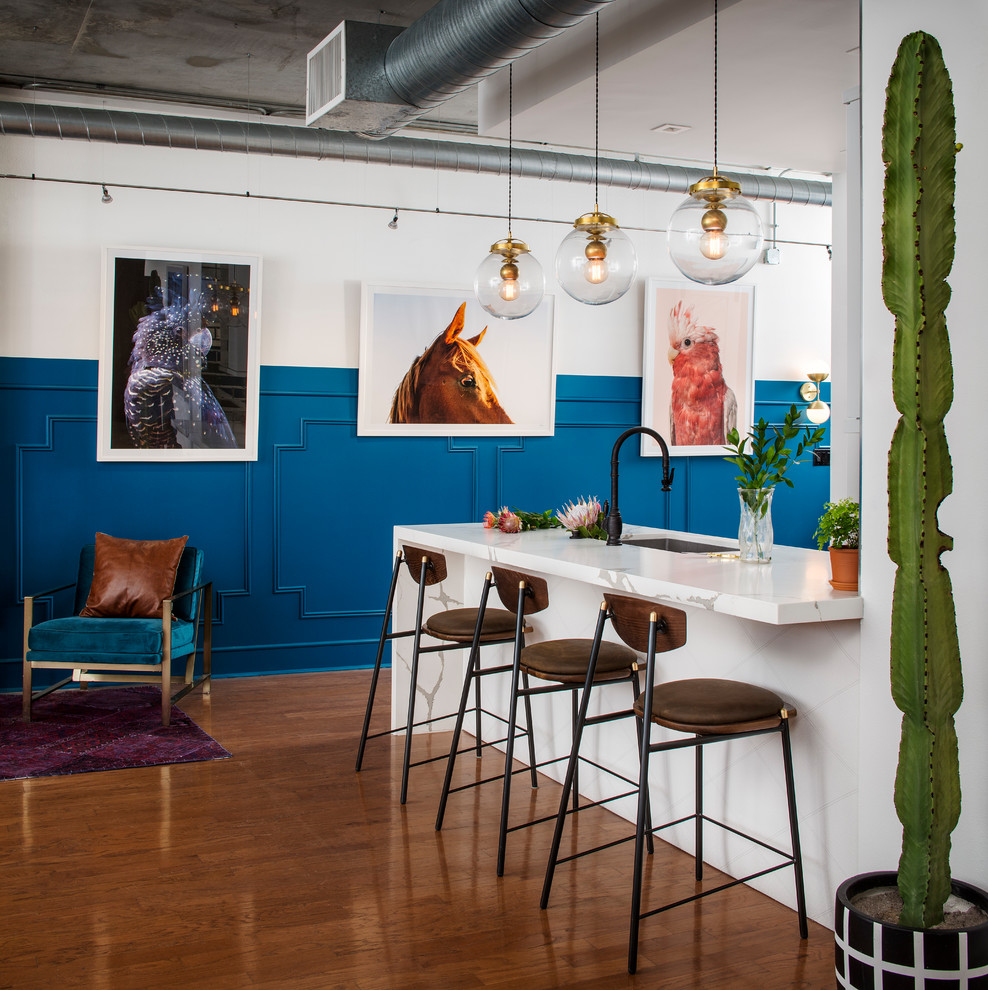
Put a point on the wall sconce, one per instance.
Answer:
(817, 411)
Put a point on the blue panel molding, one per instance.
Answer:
(317, 509)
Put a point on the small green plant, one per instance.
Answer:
(765, 462)
(838, 526)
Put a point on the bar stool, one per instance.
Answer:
(711, 710)
(457, 628)
(563, 662)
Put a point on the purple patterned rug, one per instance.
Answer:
(107, 729)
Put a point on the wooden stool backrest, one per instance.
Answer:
(435, 572)
(507, 582)
(631, 617)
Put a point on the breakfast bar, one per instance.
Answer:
(779, 625)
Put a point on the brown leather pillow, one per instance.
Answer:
(131, 577)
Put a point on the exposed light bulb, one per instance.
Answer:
(508, 290)
(713, 241)
(234, 304)
(595, 271)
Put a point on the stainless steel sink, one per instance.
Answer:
(674, 545)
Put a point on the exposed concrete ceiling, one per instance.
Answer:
(783, 67)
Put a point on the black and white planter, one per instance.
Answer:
(874, 955)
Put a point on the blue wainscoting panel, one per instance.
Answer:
(298, 543)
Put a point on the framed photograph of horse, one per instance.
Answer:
(433, 363)
(697, 371)
(179, 358)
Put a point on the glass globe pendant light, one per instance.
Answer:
(596, 262)
(715, 235)
(510, 282)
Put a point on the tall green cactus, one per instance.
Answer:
(919, 149)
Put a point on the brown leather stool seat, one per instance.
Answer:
(455, 628)
(567, 660)
(457, 625)
(705, 711)
(709, 705)
(563, 662)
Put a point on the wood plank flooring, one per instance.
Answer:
(282, 868)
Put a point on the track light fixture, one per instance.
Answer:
(107, 198)
(393, 225)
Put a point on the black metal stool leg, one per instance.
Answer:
(574, 759)
(797, 856)
(472, 676)
(643, 802)
(698, 819)
(413, 686)
(649, 837)
(478, 728)
(512, 728)
(530, 731)
(377, 662)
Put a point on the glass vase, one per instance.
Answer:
(755, 531)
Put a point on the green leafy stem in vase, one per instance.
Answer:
(765, 454)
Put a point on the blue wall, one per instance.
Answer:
(298, 543)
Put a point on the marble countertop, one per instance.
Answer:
(794, 587)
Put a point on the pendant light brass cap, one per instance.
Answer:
(715, 189)
(509, 247)
(595, 223)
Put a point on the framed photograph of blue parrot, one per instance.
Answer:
(179, 358)
(697, 382)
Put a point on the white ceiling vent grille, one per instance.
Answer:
(325, 75)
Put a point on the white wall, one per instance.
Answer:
(315, 256)
(960, 26)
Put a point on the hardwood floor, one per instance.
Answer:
(283, 868)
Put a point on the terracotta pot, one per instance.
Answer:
(873, 954)
(844, 567)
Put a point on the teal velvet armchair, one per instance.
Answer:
(125, 650)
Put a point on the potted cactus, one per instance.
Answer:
(838, 530)
(911, 947)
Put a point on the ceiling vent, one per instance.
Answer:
(345, 85)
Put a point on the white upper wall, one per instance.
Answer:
(315, 256)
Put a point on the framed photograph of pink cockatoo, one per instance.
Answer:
(697, 382)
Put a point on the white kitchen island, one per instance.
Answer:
(779, 625)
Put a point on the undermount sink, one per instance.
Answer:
(674, 545)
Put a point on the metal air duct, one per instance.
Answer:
(374, 79)
(201, 134)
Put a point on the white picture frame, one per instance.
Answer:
(179, 356)
(400, 322)
(728, 311)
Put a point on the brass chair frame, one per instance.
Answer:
(131, 673)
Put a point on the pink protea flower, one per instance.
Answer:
(490, 520)
(584, 512)
(508, 522)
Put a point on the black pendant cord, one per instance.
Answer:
(596, 116)
(510, 138)
(715, 87)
